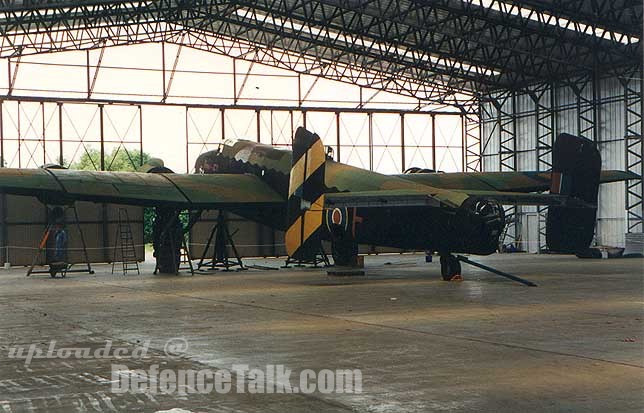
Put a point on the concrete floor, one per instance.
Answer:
(575, 343)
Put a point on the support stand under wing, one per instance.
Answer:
(63, 268)
(220, 258)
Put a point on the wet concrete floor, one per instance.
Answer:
(574, 343)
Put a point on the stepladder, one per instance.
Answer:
(124, 249)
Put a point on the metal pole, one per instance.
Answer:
(272, 143)
(370, 130)
(9, 81)
(140, 135)
(337, 134)
(292, 126)
(223, 124)
(105, 226)
(187, 144)
(495, 271)
(596, 101)
(100, 111)
(259, 127)
(402, 141)
(89, 86)
(60, 134)
(234, 81)
(434, 167)
(19, 138)
(1, 135)
(44, 149)
(463, 142)
(299, 90)
(163, 70)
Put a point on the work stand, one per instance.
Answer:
(320, 258)
(63, 267)
(220, 258)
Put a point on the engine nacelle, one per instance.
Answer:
(481, 221)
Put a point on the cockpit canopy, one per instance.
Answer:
(209, 162)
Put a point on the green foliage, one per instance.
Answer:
(118, 160)
(148, 225)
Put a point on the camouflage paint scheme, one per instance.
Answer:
(252, 180)
(416, 222)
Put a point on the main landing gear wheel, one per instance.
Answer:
(450, 268)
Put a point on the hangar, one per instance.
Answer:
(444, 85)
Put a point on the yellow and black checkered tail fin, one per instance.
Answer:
(305, 196)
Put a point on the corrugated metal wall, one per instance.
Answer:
(572, 113)
(24, 220)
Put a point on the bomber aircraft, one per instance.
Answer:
(314, 198)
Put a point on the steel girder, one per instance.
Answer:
(623, 16)
(447, 51)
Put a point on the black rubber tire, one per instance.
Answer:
(344, 252)
(450, 266)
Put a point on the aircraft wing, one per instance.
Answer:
(59, 186)
(501, 181)
(452, 198)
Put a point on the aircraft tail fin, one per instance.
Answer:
(305, 196)
(576, 169)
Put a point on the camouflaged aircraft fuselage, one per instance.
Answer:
(438, 228)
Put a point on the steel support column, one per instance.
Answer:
(584, 90)
(634, 149)
(543, 97)
(505, 105)
(472, 142)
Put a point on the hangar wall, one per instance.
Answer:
(517, 131)
(24, 219)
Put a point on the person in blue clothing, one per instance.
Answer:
(60, 242)
(59, 262)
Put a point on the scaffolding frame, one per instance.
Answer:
(499, 117)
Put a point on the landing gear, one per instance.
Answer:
(168, 237)
(345, 252)
(450, 268)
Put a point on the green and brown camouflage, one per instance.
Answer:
(59, 186)
(455, 212)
